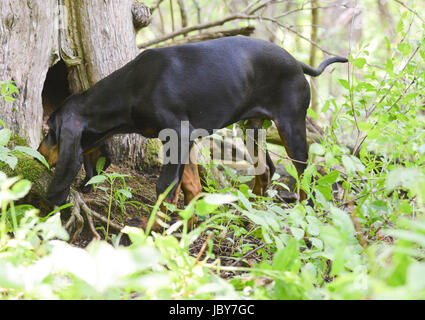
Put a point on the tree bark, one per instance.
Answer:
(103, 33)
(89, 39)
(26, 41)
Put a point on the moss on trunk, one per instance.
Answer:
(32, 170)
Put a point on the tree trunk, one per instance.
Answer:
(104, 35)
(81, 41)
(26, 33)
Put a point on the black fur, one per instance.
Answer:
(211, 84)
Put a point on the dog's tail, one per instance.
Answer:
(317, 72)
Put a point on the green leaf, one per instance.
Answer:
(343, 221)
(125, 193)
(318, 149)
(292, 171)
(203, 207)
(33, 153)
(11, 161)
(97, 179)
(8, 99)
(359, 63)
(352, 164)
(267, 124)
(364, 126)
(244, 189)
(415, 276)
(298, 233)
(187, 213)
(312, 113)
(5, 135)
(400, 26)
(287, 259)
(329, 179)
(326, 106)
(21, 188)
(412, 179)
(404, 48)
(220, 198)
(100, 165)
(316, 243)
(344, 83)
(389, 67)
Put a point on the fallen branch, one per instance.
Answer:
(215, 35)
(237, 16)
(186, 30)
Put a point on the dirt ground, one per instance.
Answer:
(142, 186)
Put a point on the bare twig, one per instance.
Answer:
(359, 197)
(260, 6)
(295, 32)
(198, 11)
(183, 12)
(306, 9)
(203, 248)
(172, 15)
(248, 254)
(156, 5)
(161, 19)
(358, 228)
(389, 89)
(411, 10)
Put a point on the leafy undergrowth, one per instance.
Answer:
(244, 247)
(363, 238)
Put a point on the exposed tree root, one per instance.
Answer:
(76, 220)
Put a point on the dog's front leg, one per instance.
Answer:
(70, 159)
(90, 162)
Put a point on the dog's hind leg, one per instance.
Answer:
(172, 172)
(263, 164)
(191, 182)
(292, 131)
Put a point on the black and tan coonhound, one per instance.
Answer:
(210, 84)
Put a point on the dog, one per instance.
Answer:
(209, 84)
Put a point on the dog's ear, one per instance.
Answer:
(54, 124)
(69, 162)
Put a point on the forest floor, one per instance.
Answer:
(142, 186)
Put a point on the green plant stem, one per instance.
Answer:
(109, 209)
(13, 214)
(155, 209)
(3, 226)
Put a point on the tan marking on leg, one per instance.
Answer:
(261, 182)
(191, 183)
(302, 194)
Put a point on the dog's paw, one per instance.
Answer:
(86, 189)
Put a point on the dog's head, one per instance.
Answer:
(49, 146)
